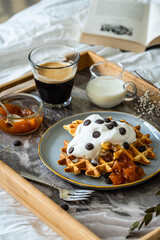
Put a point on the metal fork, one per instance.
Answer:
(64, 193)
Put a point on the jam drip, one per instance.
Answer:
(125, 171)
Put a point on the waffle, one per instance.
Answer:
(76, 165)
(134, 152)
(111, 157)
(72, 127)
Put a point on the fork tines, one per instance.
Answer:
(80, 194)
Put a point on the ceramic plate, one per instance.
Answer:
(52, 141)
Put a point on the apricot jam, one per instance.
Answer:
(125, 171)
(20, 125)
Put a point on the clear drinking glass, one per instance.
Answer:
(106, 88)
(25, 113)
(54, 68)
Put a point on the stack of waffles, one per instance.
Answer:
(137, 152)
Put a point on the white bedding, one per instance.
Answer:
(55, 21)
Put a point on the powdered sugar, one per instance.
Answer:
(145, 106)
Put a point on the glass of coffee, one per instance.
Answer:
(54, 68)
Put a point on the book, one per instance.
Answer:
(125, 24)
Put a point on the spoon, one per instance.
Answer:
(8, 113)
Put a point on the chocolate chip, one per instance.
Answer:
(93, 162)
(89, 146)
(71, 150)
(107, 120)
(17, 143)
(108, 181)
(114, 123)
(8, 124)
(122, 131)
(106, 175)
(142, 148)
(87, 122)
(109, 126)
(99, 121)
(96, 134)
(65, 207)
(126, 145)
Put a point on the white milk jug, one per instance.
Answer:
(106, 87)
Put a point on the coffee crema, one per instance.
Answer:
(54, 81)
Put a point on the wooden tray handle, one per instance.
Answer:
(25, 83)
(154, 235)
(41, 206)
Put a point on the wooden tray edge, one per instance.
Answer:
(87, 58)
(42, 207)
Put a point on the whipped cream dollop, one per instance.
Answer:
(94, 131)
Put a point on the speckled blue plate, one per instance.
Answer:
(52, 141)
